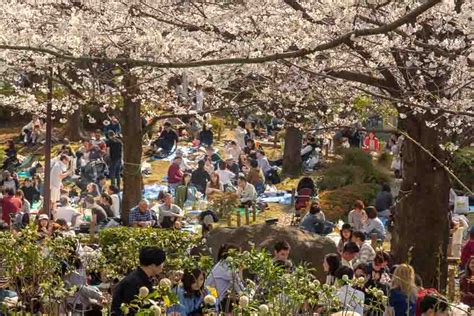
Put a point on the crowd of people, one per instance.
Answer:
(86, 192)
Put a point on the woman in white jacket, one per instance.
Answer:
(226, 281)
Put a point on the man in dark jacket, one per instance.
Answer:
(168, 138)
(151, 264)
(200, 177)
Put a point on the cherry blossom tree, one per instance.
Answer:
(415, 54)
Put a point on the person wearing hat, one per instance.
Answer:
(43, 226)
(151, 265)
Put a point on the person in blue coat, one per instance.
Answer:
(191, 294)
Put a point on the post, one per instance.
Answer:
(239, 221)
(254, 213)
(47, 147)
(451, 283)
(229, 219)
(247, 217)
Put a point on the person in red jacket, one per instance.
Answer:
(371, 143)
(175, 174)
(10, 205)
(468, 249)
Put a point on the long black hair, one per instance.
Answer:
(333, 262)
(189, 278)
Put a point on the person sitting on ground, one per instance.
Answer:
(184, 166)
(206, 136)
(233, 150)
(314, 220)
(185, 193)
(190, 294)
(250, 149)
(9, 181)
(467, 283)
(384, 201)
(99, 216)
(246, 192)
(281, 254)
(371, 223)
(255, 177)
(244, 164)
(66, 212)
(468, 250)
(193, 127)
(366, 252)
(175, 174)
(356, 215)
(92, 189)
(331, 263)
(170, 214)
(11, 161)
(106, 203)
(9, 204)
(200, 177)
(380, 265)
(402, 295)
(141, 215)
(263, 163)
(212, 155)
(30, 191)
(214, 186)
(308, 149)
(350, 298)
(225, 175)
(167, 140)
(61, 228)
(44, 229)
(346, 236)
(114, 192)
(207, 220)
(349, 254)
(25, 204)
(234, 167)
(151, 265)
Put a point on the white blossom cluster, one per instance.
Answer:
(423, 66)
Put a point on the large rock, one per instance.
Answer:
(305, 246)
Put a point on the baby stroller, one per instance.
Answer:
(305, 191)
(91, 172)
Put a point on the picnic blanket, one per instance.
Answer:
(281, 197)
(151, 191)
(185, 149)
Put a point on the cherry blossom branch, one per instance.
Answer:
(409, 17)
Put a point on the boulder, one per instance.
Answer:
(305, 246)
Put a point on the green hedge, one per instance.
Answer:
(121, 246)
(356, 167)
(463, 167)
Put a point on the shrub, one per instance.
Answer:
(463, 167)
(339, 175)
(121, 246)
(337, 203)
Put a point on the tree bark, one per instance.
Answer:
(132, 146)
(421, 223)
(73, 129)
(292, 164)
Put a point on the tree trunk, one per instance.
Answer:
(132, 146)
(421, 222)
(73, 129)
(292, 164)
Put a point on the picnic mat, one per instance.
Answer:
(281, 197)
(151, 191)
(186, 151)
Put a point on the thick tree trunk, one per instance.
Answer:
(73, 129)
(132, 146)
(292, 164)
(421, 223)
